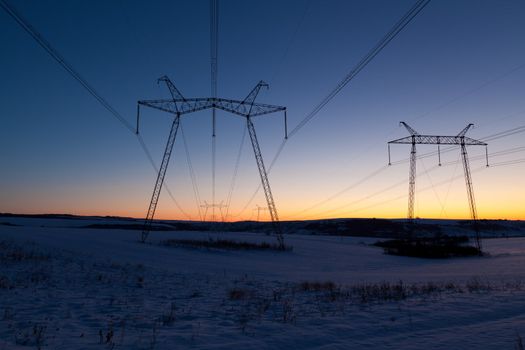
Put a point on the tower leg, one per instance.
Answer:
(412, 183)
(265, 183)
(160, 179)
(470, 194)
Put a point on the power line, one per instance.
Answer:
(492, 137)
(372, 174)
(457, 98)
(389, 36)
(11, 11)
(509, 162)
(400, 183)
(396, 198)
(154, 166)
(450, 186)
(46, 45)
(194, 183)
(420, 157)
(467, 93)
(398, 27)
(426, 172)
(343, 191)
(471, 91)
(503, 163)
(506, 133)
(214, 49)
(214, 44)
(234, 177)
(291, 41)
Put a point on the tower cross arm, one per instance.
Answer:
(252, 110)
(190, 105)
(175, 93)
(465, 129)
(409, 128)
(441, 140)
(179, 106)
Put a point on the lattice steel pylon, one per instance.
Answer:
(207, 206)
(178, 105)
(459, 139)
(258, 209)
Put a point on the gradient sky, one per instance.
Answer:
(458, 62)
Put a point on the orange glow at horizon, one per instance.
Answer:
(438, 196)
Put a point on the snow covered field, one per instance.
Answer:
(67, 287)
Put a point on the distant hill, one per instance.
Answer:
(333, 227)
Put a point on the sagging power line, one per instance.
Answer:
(214, 51)
(387, 38)
(59, 58)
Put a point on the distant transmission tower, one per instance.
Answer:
(207, 206)
(459, 139)
(259, 209)
(178, 105)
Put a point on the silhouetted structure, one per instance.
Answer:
(207, 206)
(178, 105)
(259, 209)
(461, 140)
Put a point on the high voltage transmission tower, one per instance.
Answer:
(178, 105)
(258, 209)
(207, 206)
(459, 139)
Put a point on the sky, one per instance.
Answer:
(457, 62)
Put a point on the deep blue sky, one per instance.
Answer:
(62, 152)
